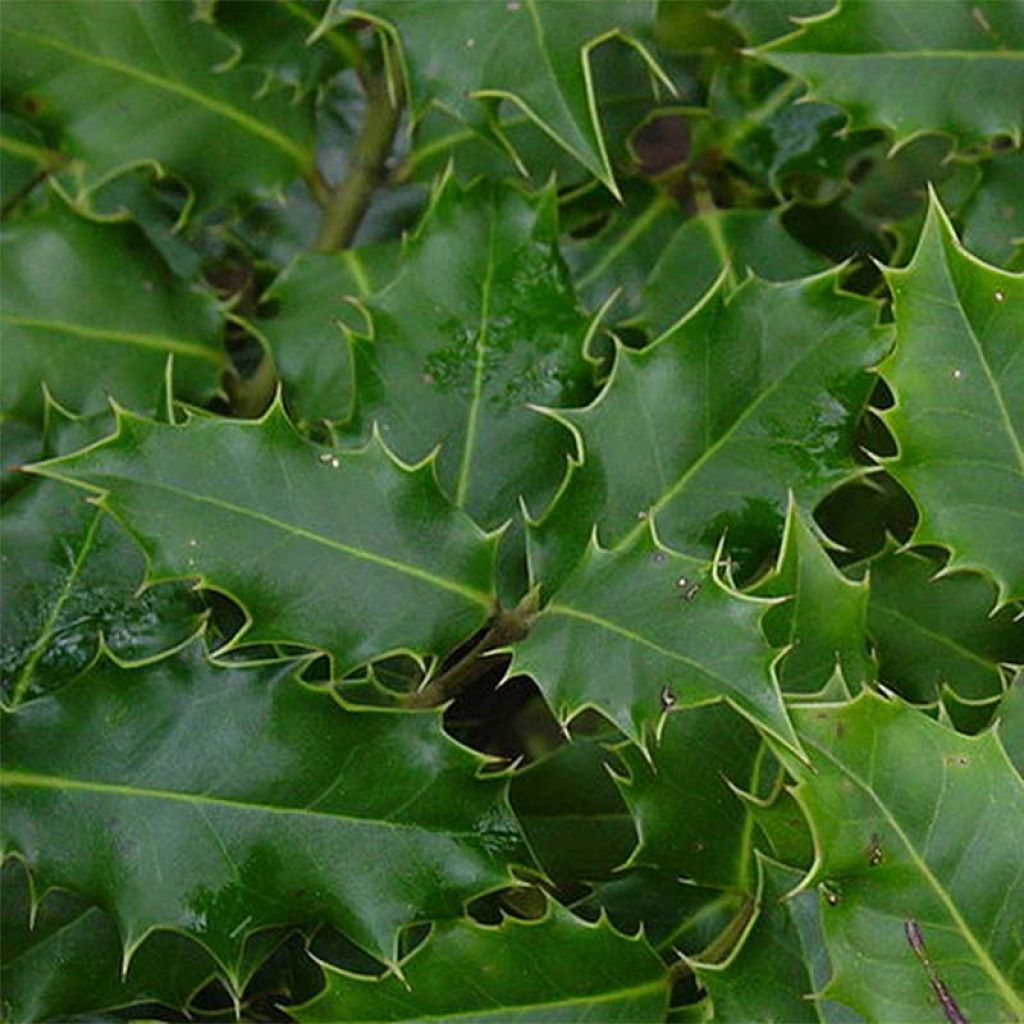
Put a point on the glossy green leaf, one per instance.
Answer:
(73, 585)
(467, 58)
(274, 40)
(639, 629)
(756, 392)
(67, 962)
(931, 632)
(555, 969)
(993, 217)
(919, 832)
(313, 303)
(1011, 723)
(673, 913)
(351, 553)
(741, 240)
(91, 312)
(763, 20)
(823, 620)
(957, 362)
(571, 814)
(480, 322)
(122, 84)
(689, 818)
(218, 801)
(914, 67)
(769, 975)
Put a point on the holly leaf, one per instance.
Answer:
(741, 241)
(469, 58)
(993, 217)
(521, 971)
(891, 62)
(101, 87)
(64, 930)
(689, 819)
(480, 322)
(763, 20)
(73, 587)
(769, 974)
(639, 629)
(823, 621)
(312, 301)
(918, 831)
(219, 801)
(958, 339)
(571, 814)
(350, 553)
(757, 391)
(91, 311)
(933, 631)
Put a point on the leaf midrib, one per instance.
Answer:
(601, 997)
(979, 350)
(250, 124)
(728, 434)
(1005, 989)
(443, 583)
(38, 649)
(140, 339)
(37, 780)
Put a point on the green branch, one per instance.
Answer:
(348, 201)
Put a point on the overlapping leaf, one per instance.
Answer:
(122, 84)
(221, 801)
(572, 815)
(558, 968)
(756, 392)
(73, 583)
(919, 832)
(689, 819)
(350, 553)
(915, 67)
(467, 58)
(933, 632)
(83, 941)
(639, 629)
(312, 304)
(959, 412)
(824, 620)
(769, 975)
(91, 312)
(480, 321)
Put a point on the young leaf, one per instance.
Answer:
(480, 321)
(82, 942)
(914, 67)
(91, 311)
(121, 84)
(689, 820)
(756, 391)
(219, 801)
(932, 631)
(558, 968)
(466, 58)
(919, 832)
(639, 629)
(959, 414)
(350, 553)
(824, 622)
